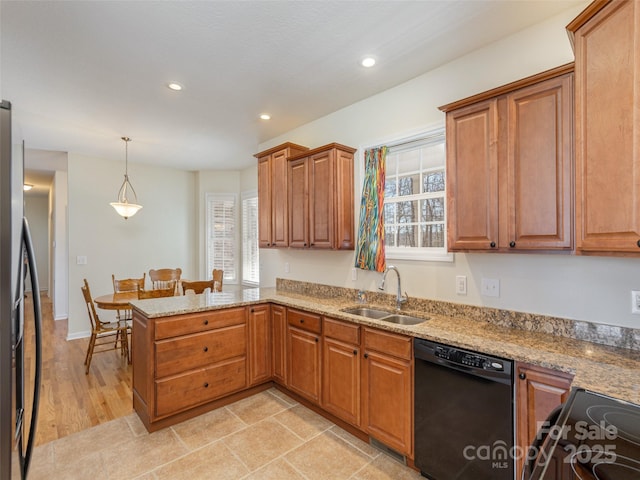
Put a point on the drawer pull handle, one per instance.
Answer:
(206, 349)
(206, 322)
(206, 385)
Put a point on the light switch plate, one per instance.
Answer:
(490, 287)
(635, 302)
(461, 284)
(81, 260)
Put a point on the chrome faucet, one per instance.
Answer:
(400, 299)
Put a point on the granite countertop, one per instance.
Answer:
(609, 370)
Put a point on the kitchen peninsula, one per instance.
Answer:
(195, 353)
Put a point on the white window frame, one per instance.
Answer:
(246, 241)
(438, 254)
(231, 275)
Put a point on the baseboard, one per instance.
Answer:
(60, 317)
(78, 335)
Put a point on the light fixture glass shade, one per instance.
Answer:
(123, 206)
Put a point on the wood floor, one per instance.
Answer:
(71, 401)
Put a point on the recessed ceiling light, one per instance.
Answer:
(26, 187)
(265, 116)
(368, 62)
(175, 86)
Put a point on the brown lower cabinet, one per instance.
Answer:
(279, 343)
(303, 354)
(538, 391)
(341, 370)
(259, 344)
(387, 389)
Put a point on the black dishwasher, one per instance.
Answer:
(464, 418)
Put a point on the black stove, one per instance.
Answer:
(595, 437)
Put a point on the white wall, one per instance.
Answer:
(59, 245)
(596, 289)
(158, 236)
(36, 209)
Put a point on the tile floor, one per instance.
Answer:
(266, 436)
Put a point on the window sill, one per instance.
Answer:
(395, 253)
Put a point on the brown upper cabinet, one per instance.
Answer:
(273, 214)
(606, 39)
(509, 166)
(320, 189)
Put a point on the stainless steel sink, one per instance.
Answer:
(385, 316)
(403, 319)
(367, 312)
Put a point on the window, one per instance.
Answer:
(414, 198)
(222, 235)
(250, 250)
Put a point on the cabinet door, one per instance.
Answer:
(278, 335)
(472, 177)
(321, 199)
(343, 209)
(538, 392)
(608, 130)
(387, 400)
(280, 211)
(299, 205)
(341, 380)
(264, 202)
(303, 372)
(538, 167)
(259, 344)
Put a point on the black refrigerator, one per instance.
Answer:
(19, 386)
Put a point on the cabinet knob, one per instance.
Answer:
(302, 320)
(638, 243)
(206, 322)
(252, 310)
(206, 385)
(492, 244)
(317, 339)
(312, 244)
(355, 352)
(512, 244)
(205, 349)
(522, 376)
(366, 355)
(305, 245)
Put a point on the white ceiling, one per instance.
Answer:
(82, 74)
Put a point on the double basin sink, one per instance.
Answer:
(384, 315)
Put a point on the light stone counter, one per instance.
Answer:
(606, 369)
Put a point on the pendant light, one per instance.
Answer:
(123, 206)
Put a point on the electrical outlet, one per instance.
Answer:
(490, 287)
(354, 274)
(81, 260)
(286, 267)
(461, 284)
(635, 302)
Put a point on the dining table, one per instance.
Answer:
(116, 301)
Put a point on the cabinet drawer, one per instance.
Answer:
(346, 332)
(305, 321)
(200, 386)
(384, 342)
(191, 351)
(200, 322)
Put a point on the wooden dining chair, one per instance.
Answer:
(127, 285)
(105, 336)
(169, 291)
(197, 286)
(160, 277)
(217, 277)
